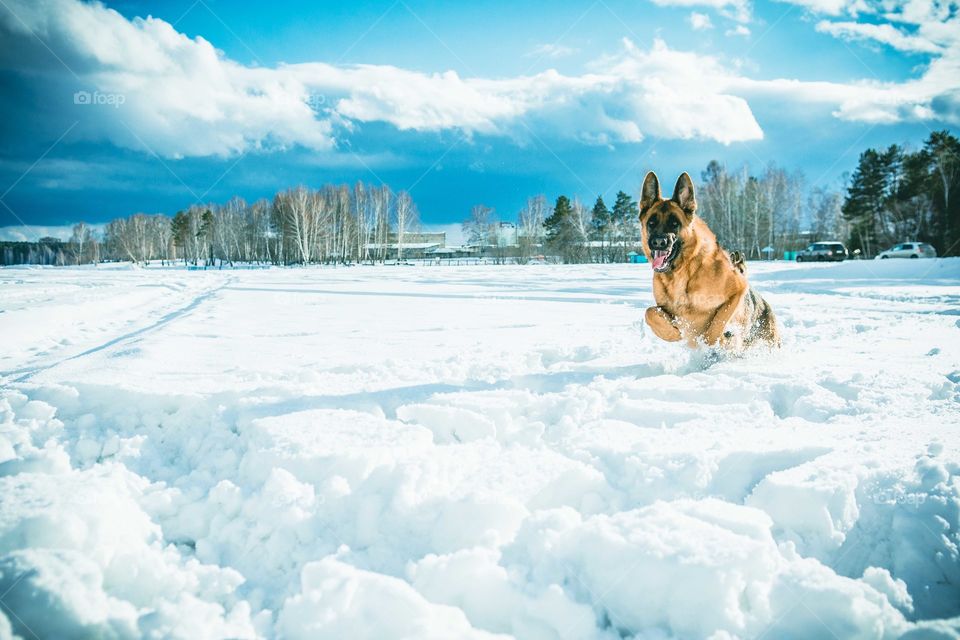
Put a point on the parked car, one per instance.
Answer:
(823, 251)
(908, 250)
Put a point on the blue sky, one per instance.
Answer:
(459, 103)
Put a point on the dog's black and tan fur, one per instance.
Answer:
(701, 291)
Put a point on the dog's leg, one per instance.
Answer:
(715, 329)
(662, 324)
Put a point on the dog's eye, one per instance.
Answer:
(674, 225)
(651, 223)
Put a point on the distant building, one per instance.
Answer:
(452, 252)
(507, 235)
(415, 245)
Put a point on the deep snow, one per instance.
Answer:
(441, 452)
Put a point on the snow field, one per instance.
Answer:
(475, 452)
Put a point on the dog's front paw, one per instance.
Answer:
(662, 324)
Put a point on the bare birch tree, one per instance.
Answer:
(405, 216)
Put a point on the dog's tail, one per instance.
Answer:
(739, 261)
(764, 324)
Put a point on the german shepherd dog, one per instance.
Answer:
(701, 291)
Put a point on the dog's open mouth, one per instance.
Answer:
(661, 260)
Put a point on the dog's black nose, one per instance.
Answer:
(659, 243)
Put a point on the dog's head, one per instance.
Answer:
(666, 224)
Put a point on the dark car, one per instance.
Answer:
(823, 252)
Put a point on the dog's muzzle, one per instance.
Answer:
(663, 250)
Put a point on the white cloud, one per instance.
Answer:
(922, 12)
(883, 33)
(662, 91)
(864, 101)
(739, 30)
(551, 50)
(681, 94)
(182, 97)
(700, 21)
(735, 9)
(831, 7)
(915, 26)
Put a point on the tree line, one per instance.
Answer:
(569, 231)
(893, 195)
(333, 224)
(763, 216)
(897, 195)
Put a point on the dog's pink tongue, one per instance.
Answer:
(659, 258)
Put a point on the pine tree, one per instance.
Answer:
(624, 220)
(205, 233)
(867, 202)
(561, 231)
(600, 223)
(601, 217)
(179, 230)
(554, 224)
(943, 153)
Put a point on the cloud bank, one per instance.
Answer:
(177, 96)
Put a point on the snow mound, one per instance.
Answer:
(337, 600)
(654, 567)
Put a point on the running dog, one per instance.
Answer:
(701, 291)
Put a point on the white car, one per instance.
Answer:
(908, 250)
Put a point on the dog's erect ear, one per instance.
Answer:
(683, 194)
(650, 192)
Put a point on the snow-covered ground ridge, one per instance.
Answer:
(475, 452)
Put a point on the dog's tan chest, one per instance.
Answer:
(686, 296)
